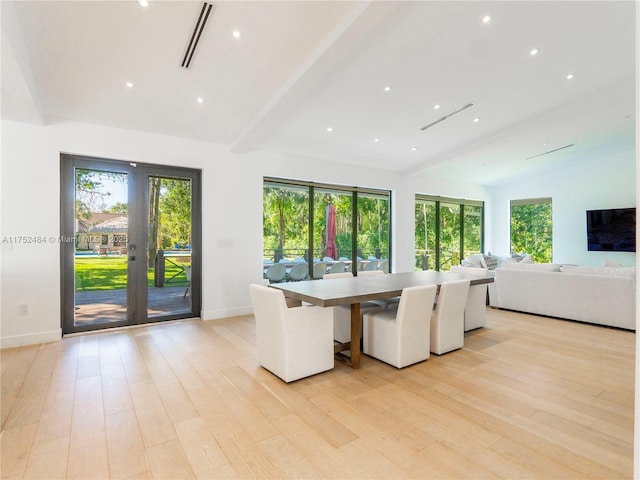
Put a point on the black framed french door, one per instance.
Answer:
(133, 253)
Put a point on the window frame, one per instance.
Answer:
(524, 202)
(338, 189)
(461, 203)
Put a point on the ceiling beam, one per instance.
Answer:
(295, 89)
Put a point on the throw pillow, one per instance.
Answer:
(490, 261)
(526, 259)
(518, 256)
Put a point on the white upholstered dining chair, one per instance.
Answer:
(447, 321)
(292, 343)
(342, 313)
(401, 337)
(475, 312)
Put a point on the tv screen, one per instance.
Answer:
(612, 230)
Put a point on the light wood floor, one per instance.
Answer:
(528, 397)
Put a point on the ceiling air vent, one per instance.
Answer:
(447, 116)
(197, 32)
(550, 151)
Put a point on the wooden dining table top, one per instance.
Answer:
(346, 291)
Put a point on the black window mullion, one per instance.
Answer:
(354, 233)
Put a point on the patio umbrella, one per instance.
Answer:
(332, 248)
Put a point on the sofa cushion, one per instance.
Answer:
(539, 267)
(610, 263)
(610, 271)
(476, 260)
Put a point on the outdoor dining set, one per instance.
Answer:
(297, 269)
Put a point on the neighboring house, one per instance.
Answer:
(102, 232)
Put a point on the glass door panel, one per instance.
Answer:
(449, 235)
(108, 273)
(285, 235)
(332, 229)
(425, 236)
(100, 259)
(169, 246)
(373, 232)
(472, 243)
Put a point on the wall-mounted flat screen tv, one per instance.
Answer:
(612, 230)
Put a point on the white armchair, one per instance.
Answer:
(401, 337)
(292, 343)
(475, 312)
(447, 321)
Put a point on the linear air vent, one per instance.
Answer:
(197, 32)
(447, 116)
(550, 151)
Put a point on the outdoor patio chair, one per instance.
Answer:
(384, 266)
(371, 266)
(300, 271)
(276, 273)
(319, 269)
(187, 273)
(292, 342)
(337, 267)
(401, 337)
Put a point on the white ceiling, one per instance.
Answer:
(300, 67)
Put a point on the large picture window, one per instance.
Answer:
(446, 230)
(532, 228)
(342, 228)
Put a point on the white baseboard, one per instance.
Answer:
(31, 339)
(225, 312)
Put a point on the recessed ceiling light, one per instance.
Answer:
(376, 140)
(143, 3)
(413, 149)
(236, 34)
(129, 84)
(387, 88)
(476, 120)
(534, 51)
(486, 19)
(436, 106)
(570, 76)
(200, 100)
(329, 129)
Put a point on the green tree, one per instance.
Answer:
(117, 207)
(531, 230)
(90, 193)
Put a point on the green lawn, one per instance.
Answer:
(110, 273)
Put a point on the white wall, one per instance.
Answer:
(603, 183)
(231, 210)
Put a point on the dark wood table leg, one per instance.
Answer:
(355, 335)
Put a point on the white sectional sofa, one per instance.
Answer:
(599, 295)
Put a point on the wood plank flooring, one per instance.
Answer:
(528, 397)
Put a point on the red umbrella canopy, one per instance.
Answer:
(332, 248)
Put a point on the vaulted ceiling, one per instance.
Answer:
(353, 82)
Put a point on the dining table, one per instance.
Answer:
(356, 290)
